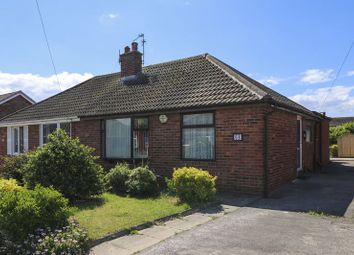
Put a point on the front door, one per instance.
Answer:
(299, 144)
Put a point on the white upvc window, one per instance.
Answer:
(17, 140)
(48, 128)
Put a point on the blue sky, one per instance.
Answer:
(295, 47)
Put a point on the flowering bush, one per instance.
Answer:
(70, 239)
(23, 211)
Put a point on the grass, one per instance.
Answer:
(320, 214)
(111, 213)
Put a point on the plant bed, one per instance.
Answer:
(111, 213)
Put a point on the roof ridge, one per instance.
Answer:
(230, 72)
(203, 55)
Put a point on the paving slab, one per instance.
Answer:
(159, 232)
(109, 249)
(134, 243)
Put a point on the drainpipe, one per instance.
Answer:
(265, 157)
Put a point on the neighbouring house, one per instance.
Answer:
(196, 111)
(12, 102)
(336, 121)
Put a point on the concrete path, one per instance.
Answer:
(280, 224)
(145, 238)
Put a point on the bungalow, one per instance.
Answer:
(196, 111)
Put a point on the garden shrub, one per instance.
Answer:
(192, 185)
(70, 239)
(65, 164)
(142, 182)
(9, 185)
(117, 177)
(23, 211)
(338, 131)
(11, 167)
(334, 150)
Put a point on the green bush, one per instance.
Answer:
(192, 185)
(334, 150)
(142, 182)
(11, 167)
(70, 239)
(9, 185)
(117, 177)
(23, 211)
(338, 131)
(65, 164)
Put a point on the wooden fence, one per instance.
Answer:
(346, 146)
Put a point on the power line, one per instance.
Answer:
(337, 75)
(47, 42)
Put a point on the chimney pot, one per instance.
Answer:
(134, 46)
(126, 49)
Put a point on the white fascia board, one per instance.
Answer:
(38, 122)
(20, 93)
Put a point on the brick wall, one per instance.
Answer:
(282, 128)
(325, 141)
(13, 105)
(33, 136)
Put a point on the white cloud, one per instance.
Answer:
(313, 76)
(271, 80)
(108, 18)
(39, 87)
(339, 100)
(112, 15)
(350, 73)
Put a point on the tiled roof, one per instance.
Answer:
(198, 81)
(7, 95)
(340, 120)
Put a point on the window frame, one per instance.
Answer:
(182, 126)
(132, 129)
(21, 141)
(41, 140)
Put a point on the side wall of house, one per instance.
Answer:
(282, 151)
(13, 105)
(325, 141)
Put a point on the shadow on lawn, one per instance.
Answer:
(90, 203)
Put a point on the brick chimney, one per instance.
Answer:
(130, 62)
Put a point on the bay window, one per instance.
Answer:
(127, 138)
(198, 136)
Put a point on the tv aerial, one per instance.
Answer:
(143, 41)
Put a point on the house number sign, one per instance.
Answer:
(238, 137)
(163, 119)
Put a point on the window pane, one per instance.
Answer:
(141, 143)
(141, 123)
(66, 127)
(16, 140)
(118, 138)
(47, 130)
(198, 143)
(198, 119)
(21, 140)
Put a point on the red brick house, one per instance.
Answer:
(196, 111)
(12, 102)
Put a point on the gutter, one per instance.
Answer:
(37, 122)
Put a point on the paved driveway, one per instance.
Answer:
(278, 225)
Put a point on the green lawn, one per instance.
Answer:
(111, 213)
